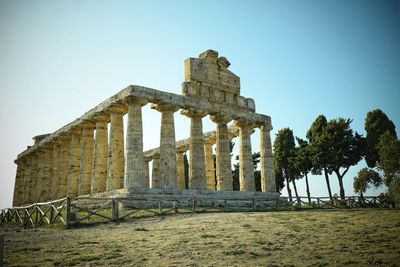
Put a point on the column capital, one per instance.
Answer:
(88, 124)
(219, 118)
(118, 108)
(245, 124)
(64, 138)
(20, 160)
(75, 131)
(156, 156)
(265, 126)
(193, 113)
(56, 141)
(101, 117)
(164, 107)
(136, 100)
(210, 140)
(40, 151)
(181, 150)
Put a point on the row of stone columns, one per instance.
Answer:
(79, 163)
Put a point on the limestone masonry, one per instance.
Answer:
(83, 158)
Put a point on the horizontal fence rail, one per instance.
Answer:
(337, 202)
(36, 214)
(121, 208)
(71, 211)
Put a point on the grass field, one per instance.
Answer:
(288, 238)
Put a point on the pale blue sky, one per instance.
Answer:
(297, 59)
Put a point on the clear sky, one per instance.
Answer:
(296, 59)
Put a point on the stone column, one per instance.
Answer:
(246, 166)
(87, 150)
(268, 183)
(74, 163)
(99, 172)
(115, 170)
(32, 178)
(18, 183)
(39, 176)
(26, 180)
(197, 168)
(155, 174)
(167, 171)
(45, 192)
(180, 166)
(209, 162)
(224, 168)
(146, 174)
(135, 168)
(54, 170)
(63, 166)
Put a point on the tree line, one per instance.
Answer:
(332, 147)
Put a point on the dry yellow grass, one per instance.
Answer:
(290, 238)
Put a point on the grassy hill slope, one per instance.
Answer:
(318, 238)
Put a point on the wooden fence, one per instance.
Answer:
(72, 211)
(36, 214)
(337, 202)
(84, 208)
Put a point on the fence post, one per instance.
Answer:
(1, 250)
(36, 215)
(159, 206)
(114, 207)
(67, 212)
(194, 202)
(51, 213)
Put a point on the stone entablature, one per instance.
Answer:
(208, 77)
(74, 161)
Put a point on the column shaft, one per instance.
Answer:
(197, 169)
(268, 183)
(209, 161)
(55, 167)
(223, 157)
(45, 192)
(155, 174)
(180, 166)
(167, 171)
(63, 168)
(74, 164)
(39, 177)
(146, 174)
(115, 170)
(32, 179)
(99, 176)
(135, 169)
(17, 185)
(87, 150)
(26, 176)
(246, 167)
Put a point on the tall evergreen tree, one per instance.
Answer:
(376, 123)
(344, 149)
(318, 150)
(284, 151)
(302, 164)
(186, 168)
(389, 156)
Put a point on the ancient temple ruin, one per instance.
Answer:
(84, 158)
